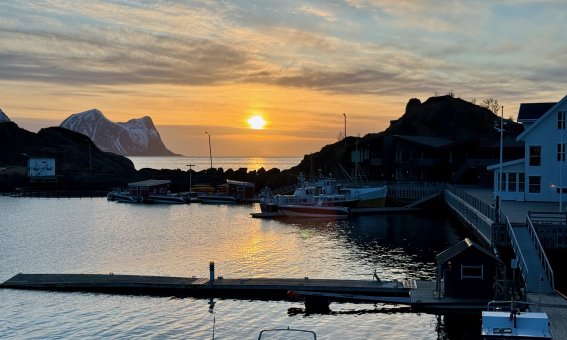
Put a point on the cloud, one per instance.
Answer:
(318, 12)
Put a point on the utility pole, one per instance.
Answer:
(190, 184)
(210, 153)
(499, 197)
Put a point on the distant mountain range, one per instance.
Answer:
(136, 137)
(3, 117)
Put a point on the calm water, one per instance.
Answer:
(202, 163)
(97, 236)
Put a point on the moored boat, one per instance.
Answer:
(316, 211)
(514, 324)
(218, 199)
(167, 198)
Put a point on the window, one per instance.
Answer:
(561, 152)
(535, 155)
(503, 184)
(512, 182)
(561, 120)
(534, 184)
(471, 272)
(521, 182)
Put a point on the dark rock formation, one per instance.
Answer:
(79, 163)
(3, 117)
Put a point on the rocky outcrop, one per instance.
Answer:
(137, 137)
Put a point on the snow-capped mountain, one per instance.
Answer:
(136, 137)
(3, 117)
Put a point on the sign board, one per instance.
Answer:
(41, 167)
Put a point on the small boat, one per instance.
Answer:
(167, 198)
(514, 324)
(315, 211)
(293, 333)
(217, 199)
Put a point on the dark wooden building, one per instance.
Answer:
(149, 187)
(467, 270)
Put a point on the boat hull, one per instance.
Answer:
(218, 199)
(315, 211)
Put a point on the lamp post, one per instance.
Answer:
(210, 153)
(344, 115)
(190, 184)
(499, 197)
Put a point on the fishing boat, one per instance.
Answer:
(514, 324)
(315, 211)
(326, 192)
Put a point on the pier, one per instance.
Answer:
(526, 227)
(420, 295)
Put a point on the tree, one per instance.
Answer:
(491, 104)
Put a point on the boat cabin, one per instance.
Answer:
(143, 189)
(467, 270)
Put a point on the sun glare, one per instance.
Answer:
(256, 122)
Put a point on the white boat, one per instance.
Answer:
(316, 211)
(218, 199)
(326, 192)
(514, 324)
(122, 197)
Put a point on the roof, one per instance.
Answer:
(434, 142)
(532, 111)
(542, 118)
(506, 164)
(461, 247)
(149, 183)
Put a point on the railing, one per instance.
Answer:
(475, 218)
(518, 252)
(413, 191)
(548, 218)
(541, 253)
(484, 208)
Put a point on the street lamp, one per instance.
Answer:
(210, 153)
(190, 184)
(344, 114)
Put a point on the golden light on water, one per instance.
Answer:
(256, 122)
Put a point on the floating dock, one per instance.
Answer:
(263, 288)
(419, 295)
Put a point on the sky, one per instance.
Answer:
(308, 68)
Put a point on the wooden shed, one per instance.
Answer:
(149, 187)
(240, 189)
(467, 270)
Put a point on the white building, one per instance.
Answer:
(542, 174)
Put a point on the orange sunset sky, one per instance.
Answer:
(196, 66)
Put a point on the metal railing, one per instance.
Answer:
(516, 247)
(475, 218)
(413, 190)
(484, 208)
(541, 253)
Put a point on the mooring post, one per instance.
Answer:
(212, 270)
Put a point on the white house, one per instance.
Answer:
(542, 174)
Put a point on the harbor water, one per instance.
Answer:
(98, 236)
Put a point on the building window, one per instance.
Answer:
(534, 184)
(535, 155)
(561, 120)
(503, 184)
(512, 182)
(471, 272)
(521, 182)
(561, 152)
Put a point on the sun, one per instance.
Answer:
(256, 122)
